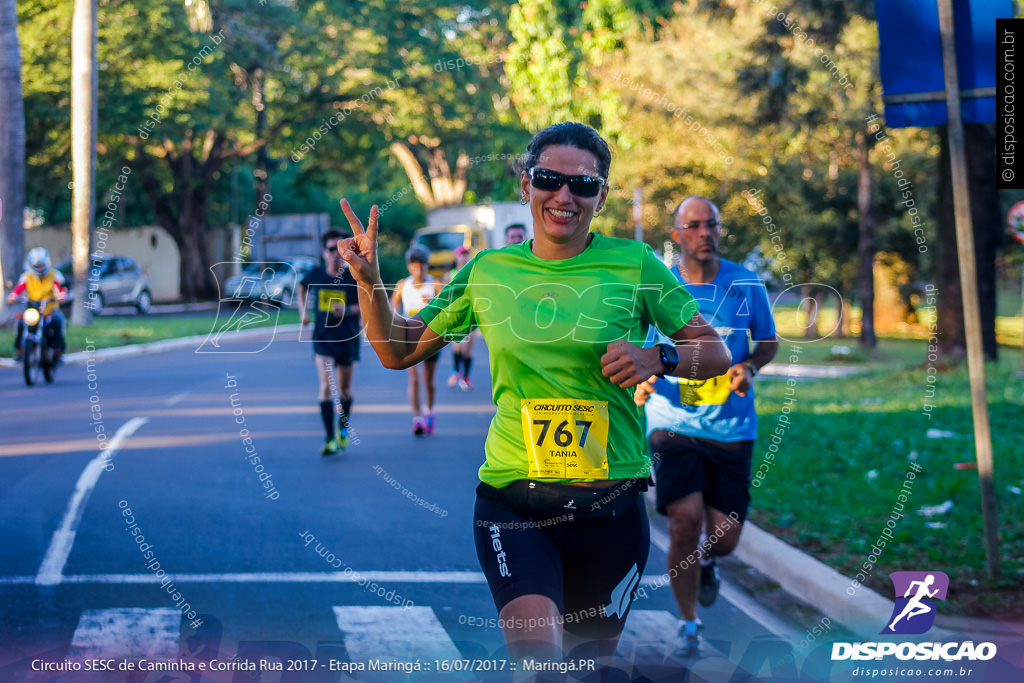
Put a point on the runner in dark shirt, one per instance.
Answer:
(336, 327)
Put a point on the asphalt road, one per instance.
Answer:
(367, 556)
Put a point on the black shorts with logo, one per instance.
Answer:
(583, 548)
(687, 464)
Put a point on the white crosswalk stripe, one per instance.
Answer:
(655, 629)
(394, 634)
(386, 634)
(126, 632)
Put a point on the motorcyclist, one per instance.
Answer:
(39, 282)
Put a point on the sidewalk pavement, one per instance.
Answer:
(863, 613)
(156, 347)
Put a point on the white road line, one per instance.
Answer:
(282, 577)
(270, 577)
(174, 400)
(64, 537)
(126, 632)
(741, 600)
(394, 634)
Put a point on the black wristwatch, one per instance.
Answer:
(669, 358)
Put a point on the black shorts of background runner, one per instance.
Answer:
(588, 566)
(344, 352)
(686, 464)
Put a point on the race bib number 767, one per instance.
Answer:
(566, 438)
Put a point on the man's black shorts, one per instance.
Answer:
(343, 352)
(590, 568)
(687, 464)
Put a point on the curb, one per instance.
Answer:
(80, 357)
(813, 582)
(863, 613)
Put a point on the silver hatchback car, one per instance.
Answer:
(119, 281)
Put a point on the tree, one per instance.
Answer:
(453, 129)
(83, 139)
(12, 150)
(556, 45)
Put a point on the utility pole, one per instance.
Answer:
(969, 289)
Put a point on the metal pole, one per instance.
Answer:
(638, 214)
(969, 288)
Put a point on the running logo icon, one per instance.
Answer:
(914, 612)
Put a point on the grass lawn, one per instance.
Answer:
(842, 463)
(107, 331)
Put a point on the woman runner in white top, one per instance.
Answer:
(411, 295)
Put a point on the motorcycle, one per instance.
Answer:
(38, 353)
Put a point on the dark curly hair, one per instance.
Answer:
(571, 134)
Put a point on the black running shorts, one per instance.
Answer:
(344, 352)
(588, 566)
(686, 464)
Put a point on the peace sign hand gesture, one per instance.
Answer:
(360, 251)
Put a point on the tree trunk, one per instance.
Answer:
(980, 141)
(83, 150)
(842, 324)
(984, 208)
(12, 152)
(196, 278)
(439, 186)
(182, 212)
(189, 231)
(810, 299)
(866, 249)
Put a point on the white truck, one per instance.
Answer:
(475, 226)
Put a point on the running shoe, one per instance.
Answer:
(710, 582)
(465, 384)
(690, 642)
(331, 447)
(419, 427)
(343, 438)
(454, 379)
(428, 423)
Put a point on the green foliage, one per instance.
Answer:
(834, 480)
(556, 45)
(722, 98)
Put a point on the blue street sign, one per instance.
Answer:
(910, 60)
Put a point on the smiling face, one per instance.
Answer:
(697, 231)
(561, 219)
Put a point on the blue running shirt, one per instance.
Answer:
(736, 304)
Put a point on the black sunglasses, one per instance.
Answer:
(552, 181)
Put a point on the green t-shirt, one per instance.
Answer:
(547, 323)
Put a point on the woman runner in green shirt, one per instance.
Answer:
(561, 530)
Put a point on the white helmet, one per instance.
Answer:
(38, 259)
